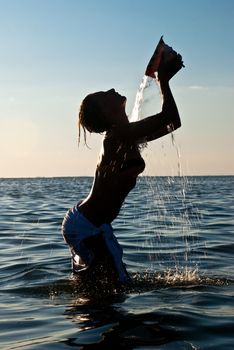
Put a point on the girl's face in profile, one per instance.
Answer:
(112, 104)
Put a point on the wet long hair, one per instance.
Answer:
(91, 118)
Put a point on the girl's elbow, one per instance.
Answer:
(176, 122)
(174, 125)
(178, 125)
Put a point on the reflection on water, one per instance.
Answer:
(108, 326)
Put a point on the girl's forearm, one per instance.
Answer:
(169, 108)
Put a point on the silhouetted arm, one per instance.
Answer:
(167, 120)
(158, 125)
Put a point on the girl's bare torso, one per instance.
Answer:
(119, 165)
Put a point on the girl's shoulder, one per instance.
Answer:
(118, 134)
(112, 145)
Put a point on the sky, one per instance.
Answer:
(54, 53)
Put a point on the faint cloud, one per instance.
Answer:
(198, 87)
(223, 88)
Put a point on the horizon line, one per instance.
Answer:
(92, 176)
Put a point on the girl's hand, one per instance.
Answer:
(169, 68)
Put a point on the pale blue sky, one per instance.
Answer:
(55, 52)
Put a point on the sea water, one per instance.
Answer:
(178, 248)
(177, 236)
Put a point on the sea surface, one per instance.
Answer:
(178, 239)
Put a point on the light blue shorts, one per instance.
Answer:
(76, 228)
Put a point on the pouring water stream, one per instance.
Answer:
(190, 270)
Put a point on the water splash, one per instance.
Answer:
(179, 168)
(142, 282)
(175, 277)
(171, 233)
(170, 204)
(137, 108)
